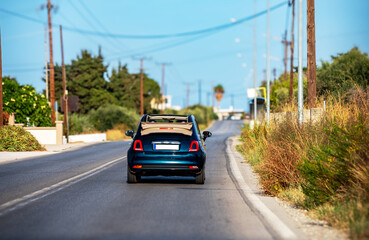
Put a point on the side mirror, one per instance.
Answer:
(206, 134)
(130, 133)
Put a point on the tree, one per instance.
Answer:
(125, 87)
(345, 71)
(29, 107)
(88, 83)
(280, 90)
(219, 91)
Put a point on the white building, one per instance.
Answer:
(229, 114)
(165, 104)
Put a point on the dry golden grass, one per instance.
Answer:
(117, 133)
(294, 196)
(276, 151)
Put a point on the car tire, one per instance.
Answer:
(131, 178)
(200, 179)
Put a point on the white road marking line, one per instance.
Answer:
(276, 224)
(29, 198)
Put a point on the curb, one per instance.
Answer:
(273, 221)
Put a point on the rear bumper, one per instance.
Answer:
(168, 171)
(167, 165)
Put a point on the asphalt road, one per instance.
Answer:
(82, 194)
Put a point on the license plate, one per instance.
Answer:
(166, 147)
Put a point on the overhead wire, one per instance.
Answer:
(82, 15)
(88, 37)
(167, 46)
(204, 58)
(182, 34)
(118, 44)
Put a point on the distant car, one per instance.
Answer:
(167, 145)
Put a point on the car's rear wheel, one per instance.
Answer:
(200, 179)
(131, 178)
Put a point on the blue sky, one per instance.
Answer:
(212, 58)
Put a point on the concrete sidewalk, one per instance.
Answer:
(6, 157)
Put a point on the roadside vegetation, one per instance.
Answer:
(204, 115)
(15, 139)
(107, 102)
(29, 107)
(323, 166)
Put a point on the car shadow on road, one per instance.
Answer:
(167, 180)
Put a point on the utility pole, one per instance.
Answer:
(311, 59)
(162, 89)
(292, 46)
(141, 91)
(274, 74)
(1, 87)
(142, 83)
(285, 42)
(52, 83)
(254, 64)
(188, 84)
(65, 96)
(300, 98)
(268, 63)
(46, 65)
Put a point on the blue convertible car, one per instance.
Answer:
(168, 145)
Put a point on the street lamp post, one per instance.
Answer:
(268, 64)
(300, 80)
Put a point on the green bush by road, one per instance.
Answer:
(25, 102)
(323, 167)
(203, 114)
(15, 139)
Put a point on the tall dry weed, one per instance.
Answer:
(328, 159)
(286, 147)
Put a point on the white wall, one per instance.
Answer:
(96, 137)
(44, 136)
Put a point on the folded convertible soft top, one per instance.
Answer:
(152, 127)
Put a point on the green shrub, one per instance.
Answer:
(330, 168)
(327, 162)
(25, 103)
(203, 114)
(14, 139)
(79, 123)
(106, 117)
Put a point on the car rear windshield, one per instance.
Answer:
(167, 118)
(166, 124)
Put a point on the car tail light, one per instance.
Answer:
(137, 166)
(137, 146)
(194, 147)
(194, 167)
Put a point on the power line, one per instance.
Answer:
(175, 44)
(204, 58)
(182, 34)
(91, 24)
(97, 21)
(88, 37)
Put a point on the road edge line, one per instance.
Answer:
(31, 197)
(273, 221)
